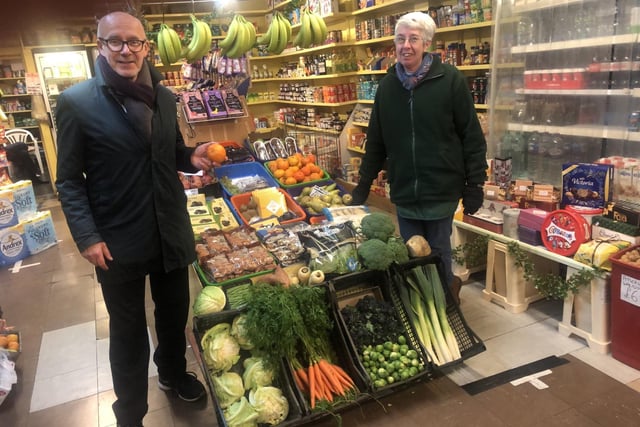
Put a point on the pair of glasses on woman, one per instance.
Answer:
(116, 45)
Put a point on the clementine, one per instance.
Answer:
(216, 153)
(290, 181)
(293, 161)
(299, 176)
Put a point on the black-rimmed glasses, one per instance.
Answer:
(116, 45)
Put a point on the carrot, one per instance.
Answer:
(297, 380)
(312, 387)
(332, 380)
(302, 377)
(322, 382)
(341, 374)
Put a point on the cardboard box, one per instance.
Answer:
(194, 107)
(216, 108)
(625, 212)
(478, 222)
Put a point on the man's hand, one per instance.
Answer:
(199, 157)
(98, 254)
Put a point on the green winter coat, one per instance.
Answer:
(117, 186)
(430, 137)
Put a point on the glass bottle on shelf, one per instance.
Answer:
(525, 31)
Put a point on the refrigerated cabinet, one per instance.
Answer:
(565, 85)
(59, 69)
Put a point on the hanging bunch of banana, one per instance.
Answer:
(278, 34)
(241, 37)
(313, 30)
(169, 45)
(200, 43)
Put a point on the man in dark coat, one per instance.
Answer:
(119, 150)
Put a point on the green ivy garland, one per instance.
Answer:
(551, 285)
(472, 253)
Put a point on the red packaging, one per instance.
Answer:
(625, 309)
(563, 232)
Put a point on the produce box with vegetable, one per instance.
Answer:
(432, 312)
(243, 177)
(267, 203)
(331, 248)
(245, 391)
(380, 337)
(297, 324)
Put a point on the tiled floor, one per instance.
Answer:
(63, 373)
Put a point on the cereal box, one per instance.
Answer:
(587, 184)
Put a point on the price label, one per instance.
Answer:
(630, 290)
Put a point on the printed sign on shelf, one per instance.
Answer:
(630, 290)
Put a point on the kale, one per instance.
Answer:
(371, 322)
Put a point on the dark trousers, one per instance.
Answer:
(129, 343)
(438, 234)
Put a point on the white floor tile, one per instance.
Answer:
(64, 388)
(67, 350)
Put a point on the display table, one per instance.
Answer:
(515, 298)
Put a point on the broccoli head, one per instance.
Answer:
(377, 225)
(399, 249)
(375, 254)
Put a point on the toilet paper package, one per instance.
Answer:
(39, 232)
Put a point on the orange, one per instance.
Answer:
(216, 153)
(314, 176)
(12, 337)
(289, 172)
(14, 345)
(273, 166)
(4, 341)
(306, 170)
(282, 164)
(299, 176)
(290, 181)
(293, 160)
(311, 158)
(278, 173)
(315, 168)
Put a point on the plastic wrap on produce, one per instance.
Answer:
(331, 248)
(341, 214)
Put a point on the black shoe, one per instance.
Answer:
(188, 387)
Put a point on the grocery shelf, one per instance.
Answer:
(590, 131)
(576, 44)
(579, 92)
(295, 51)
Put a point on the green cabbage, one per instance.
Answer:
(239, 331)
(221, 350)
(241, 414)
(255, 374)
(228, 387)
(211, 299)
(272, 406)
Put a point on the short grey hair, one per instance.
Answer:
(418, 21)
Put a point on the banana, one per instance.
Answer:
(162, 51)
(232, 33)
(315, 27)
(284, 38)
(287, 25)
(324, 31)
(205, 46)
(236, 49)
(265, 38)
(176, 43)
(168, 35)
(305, 30)
(275, 35)
(251, 41)
(196, 41)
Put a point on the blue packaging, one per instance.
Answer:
(24, 198)
(587, 184)
(8, 214)
(13, 246)
(39, 232)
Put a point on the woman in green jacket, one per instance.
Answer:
(425, 129)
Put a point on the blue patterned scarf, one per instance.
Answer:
(409, 81)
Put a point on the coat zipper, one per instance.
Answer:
(413, 144)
